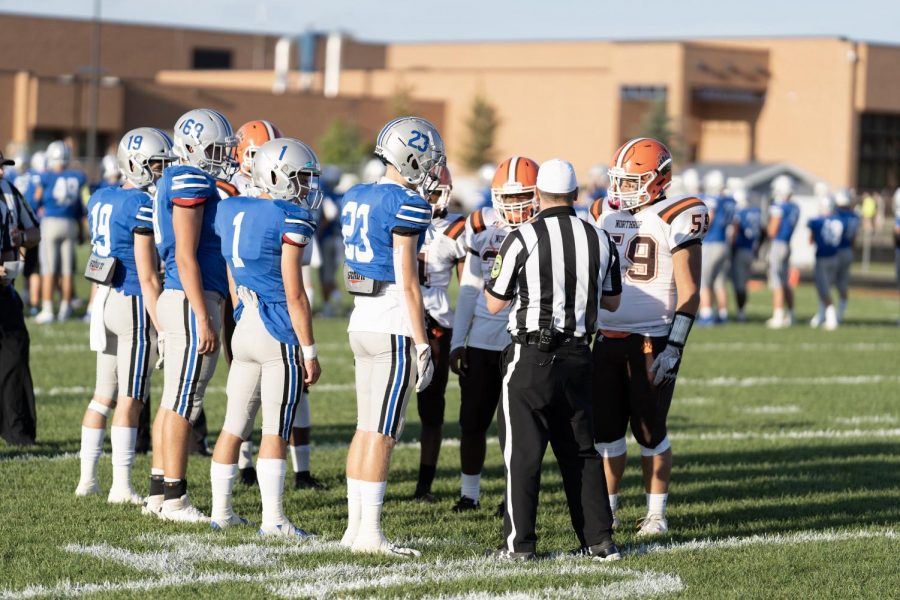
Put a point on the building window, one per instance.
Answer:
(642, 92)
(208, 58)
(879, 151)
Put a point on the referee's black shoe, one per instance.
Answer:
(503, 553)
(604, 551)
(465, 504)
(248, 475)
(303, 480)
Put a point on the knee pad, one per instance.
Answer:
(100, 408)
(611, 449)
(658, 449)
(302, 416)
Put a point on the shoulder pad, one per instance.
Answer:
(456, 227)
(477, 219)
(596, 208)
(669, 210)
(226, 187)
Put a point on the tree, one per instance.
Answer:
(656, 125)
(342, 145)
(482, 126)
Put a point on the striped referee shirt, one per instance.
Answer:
(557, 268)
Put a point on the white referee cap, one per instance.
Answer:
(557, 176)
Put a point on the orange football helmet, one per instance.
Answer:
(440, 197)
(640, 172)
(251, 136)
(513, 192)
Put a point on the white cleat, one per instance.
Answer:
(231, 521)
(87, 488)
(44, 317)
(287, 530)
(124, 496)
(64, 315)
(348, 539)
(776, 323)
(651, 525)
(815, 322)
(380, 545)
(182, 511)
(152, 505)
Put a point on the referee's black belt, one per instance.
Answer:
(557, 339)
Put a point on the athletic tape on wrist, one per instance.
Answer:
(310, 352)
(681, 327)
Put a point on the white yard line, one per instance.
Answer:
(775, 380)
(793, 347)
(785, 409)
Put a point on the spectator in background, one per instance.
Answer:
(18, 423)
(59, 195)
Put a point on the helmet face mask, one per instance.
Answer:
(439, 198)
(514, 191)
(288, 169)
(629, 191)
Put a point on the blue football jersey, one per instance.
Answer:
(188, 186)
(370, 213)
(114, 214)
(851, 226)
(253, 231)
(790, 214)
(749, 228)
(723, 208)
(31, 182)
(827, 233)
(61, 195)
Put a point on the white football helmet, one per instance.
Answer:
(38, 162)
(204, 138)
(138, 149)
(58, 155)
(414, 147)
(782, 188)
(826, 205)
(288, 169)
(714, 183)
(842, 198)
(373, 171)
(690, 182)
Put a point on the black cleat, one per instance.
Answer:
(425, 498)
(604, 551)
(248, 475)
(304, 481)
(503, 553)
(501, 510)
(465, 504)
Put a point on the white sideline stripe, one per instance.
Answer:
(808, 346)
(692, 401)
(754, 381)
(867, 419)
(787, 409)
(801, 537)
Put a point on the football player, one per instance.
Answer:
(124, 318)
(190, 306)
(383, 225)
(851, 220)
(897, 236)
(783, 216)
(640, 346)
(716, 249)
(439, 257)
(328, 236)
(32, 270)
(826, 232)
(274, 352)
(59, 198)
(480, 337)
(747, 236)
(250, 136)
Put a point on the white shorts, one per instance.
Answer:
(262, 362)
(186, 372)
(714, 266)
(57, 246)
(385, 377)
(130, 349)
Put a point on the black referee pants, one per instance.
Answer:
(547, 398)
(18, 422)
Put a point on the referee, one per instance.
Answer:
(557, 271)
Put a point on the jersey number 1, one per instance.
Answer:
(235, 255)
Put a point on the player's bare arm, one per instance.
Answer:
(187, 223)
(145, 259)
(298, 308)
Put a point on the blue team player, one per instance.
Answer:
(826, 232)
(783, 216)
(747, 236)
(123, 319)
(383, 225)
(716, 249)
(59, 198)
(851, 220)
(190, 306)
(263, 241)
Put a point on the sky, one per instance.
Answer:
(483, 20)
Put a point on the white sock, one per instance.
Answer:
(656, 504)
(778, 314)
(354, 509)
(270, 476)
(831, 314)
(122, 440)
(47, 306)
(91, 448)
(614, 502)
(470, 486)
(706, 313)
(842, 308)
(245, 458)
(63, 307)
(222, 479)
(723, 314)
(371, 494)
(300, 457)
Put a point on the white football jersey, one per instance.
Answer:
(474, 326)
(243, 184)
(443, 248)
(646, 241)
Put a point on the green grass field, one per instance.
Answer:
(786, 484)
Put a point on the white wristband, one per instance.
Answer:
(309, 352)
